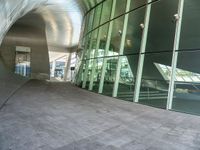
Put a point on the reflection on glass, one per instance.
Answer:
(181, 75)
(90, 65)
(137, 3)
(103, 39)
(161, 26)
(97, 16)
(154, 87)
(110, 75)
(79, 69)
(134, 31)
(120, 7)
(86, 22)
(127, 77)
(97, 75)
(93, 43)
(23, 61)
(106, 12)
(157, 64)
(190, 32)
(187, 83)
(116, 36)
(91, 20)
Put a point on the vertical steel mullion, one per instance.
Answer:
(94, 62)
(88, 52)
(96, 51)
(142, 50)
(121, 50)
(175, 53)
(103, 71)
(85, 59)
(87, 62)
(81, 59)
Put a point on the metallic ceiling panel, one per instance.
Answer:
(63, 18)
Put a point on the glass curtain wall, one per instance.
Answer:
(99, 55)
(102, 37)
(129, 61)
(159, 47)
(187, 83)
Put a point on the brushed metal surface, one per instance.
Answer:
(63, 19)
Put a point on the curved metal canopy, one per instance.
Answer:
(63, 18)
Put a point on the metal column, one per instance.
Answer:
(89, 50)
(94, 62)
(121, 50)
(79, 69)
(85, 56)
(107, 48)
(87, 53)
(178, 18)
(142, 50)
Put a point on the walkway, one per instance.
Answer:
(60, 116)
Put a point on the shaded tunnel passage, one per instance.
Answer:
(60, 116)
(15, 71)
(27, 33)
(41, 25)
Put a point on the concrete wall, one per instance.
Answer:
(22, 34)
(9, 83)
(27, 34)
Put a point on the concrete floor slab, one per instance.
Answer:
(60, 116)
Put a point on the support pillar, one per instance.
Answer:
(94, 62)
(178, 18)
(101, 84)
(121, 50)
(142, 50)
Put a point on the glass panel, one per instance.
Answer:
(107, 7)
(103, 40)
(97, 17)
(94, 42)
(86, 22)
(90, 64)
(23, 61)
(127, 77)
(86, 46)
(134, 31)
(99, 61)
(116, 36)
(91, 20)
(58, 72)
(154, 86)
(120, 7)
(79, 78)
(190, 32)
(187, 91)
(97, 75)
(110, 75)
(137, 3)
(162, 27)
